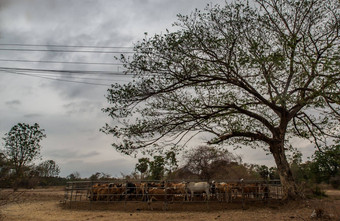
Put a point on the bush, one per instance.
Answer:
(318, 192)
(335, 182)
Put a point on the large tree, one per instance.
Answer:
(254, 74)
(22, 146)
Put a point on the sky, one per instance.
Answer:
(68, 105)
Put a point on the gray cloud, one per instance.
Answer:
(33, 115)
(86, 169)
(81, 107)
(67, 154)
(13, 103)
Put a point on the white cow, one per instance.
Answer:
(199, 187)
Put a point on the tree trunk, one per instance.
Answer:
(290, 191)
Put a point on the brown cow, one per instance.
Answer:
(141, 190)
(226, 191)
(160, 194)
(249, 190)
(115, 191)
(179, 190)
(95, 192)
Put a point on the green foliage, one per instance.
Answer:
(142, 165)
(157, 167)
(318, 192)
(93, 177)
(205, 161)
(325, 165)
(74, 176)
(22, 146)
(48, 168)
(266, 173)
(322, 168)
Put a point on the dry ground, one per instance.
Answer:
(44, 204)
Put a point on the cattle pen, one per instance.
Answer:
(122, 193)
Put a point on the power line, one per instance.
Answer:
(64, 46)
(48, 78)
(63, 80)
(67, 71)
(96, 78)
(57, 50)
(60, 62)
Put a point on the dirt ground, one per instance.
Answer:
(47, 205)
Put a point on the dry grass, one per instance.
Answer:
(44, 204)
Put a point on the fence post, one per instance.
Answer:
(91, 194)
(71, 194)
(126, 187)
(242, 189)
(166, 195)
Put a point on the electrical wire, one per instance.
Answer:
(60, 62)
(58, 50)
(57, 79)
(67, 71)
(60, 75)
(64, 46)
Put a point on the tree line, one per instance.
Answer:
(207, 163)
(22, 147)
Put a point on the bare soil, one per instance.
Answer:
(47, 205)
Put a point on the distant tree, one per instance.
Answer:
(48, 168)
(104, 176)
(95, 176)
(5, 168)
(142, 166)
(22, 146)
(74, 176)
(171, 161)
(273, 174)
(252, 73)
(204, 161)
(157, 168)
(326, 163)
(99, 176)
(263, 171)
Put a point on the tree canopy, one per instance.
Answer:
(22, 145)
(48, 168)
(253, 74)
(205, 161)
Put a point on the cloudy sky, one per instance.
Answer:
(68, 104)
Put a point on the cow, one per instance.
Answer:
(179, 190)
(249, 190)
(106, 191)
(159, 194)
(225, 191)
(129, 189)
(98, 192)
(198, 187)
(264, 191)
(115, 191)
(93, 192)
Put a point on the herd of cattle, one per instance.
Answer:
(177, 191)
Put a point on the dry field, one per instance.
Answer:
(45, 204)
